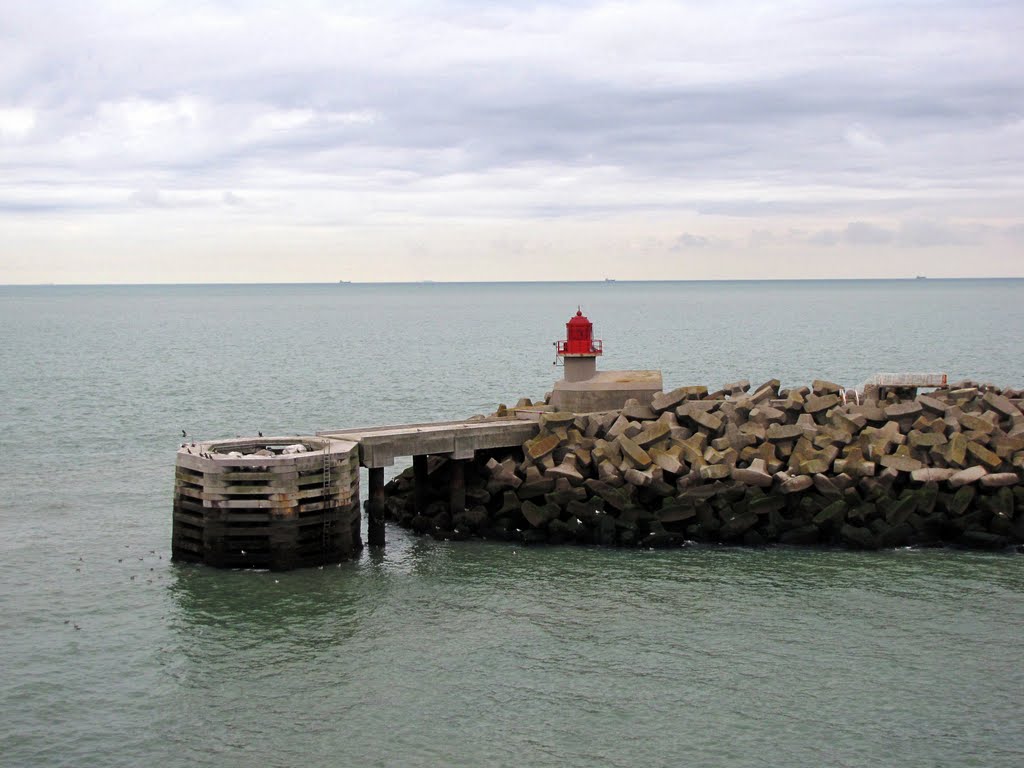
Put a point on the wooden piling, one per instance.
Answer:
(375, 507)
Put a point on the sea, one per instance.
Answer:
(431, 653)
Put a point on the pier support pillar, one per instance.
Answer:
(457, 486)
(375, 509)
(419, 470)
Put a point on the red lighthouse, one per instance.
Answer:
(579, 349)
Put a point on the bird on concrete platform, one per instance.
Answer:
(261, 434)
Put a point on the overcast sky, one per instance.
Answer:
(245, 142)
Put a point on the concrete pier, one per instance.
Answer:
(809, 465)
(813, 465)
(279, 503)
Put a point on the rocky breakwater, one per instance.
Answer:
(797, 466)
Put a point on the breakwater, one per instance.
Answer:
(803, 466)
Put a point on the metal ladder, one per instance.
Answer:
(325, 534)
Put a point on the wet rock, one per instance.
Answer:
(983, 540)
(857, 537)
(805, 535)
(538, 516)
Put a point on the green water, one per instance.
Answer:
(470, 654)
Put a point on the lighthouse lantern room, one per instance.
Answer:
(580, 349)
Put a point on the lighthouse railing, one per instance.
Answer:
(563, 348)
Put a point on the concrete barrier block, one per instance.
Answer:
(818, 403)
(634, 453)
(652, 433)
(795, 484)
(932, 404)
(971, 422)
(906, 409)
(715, 471)
(540, 446)
(1001, 404)
(932, 474)
(967, 476)
(999, 480)
(638, 478)
(668, 460)
(900, 463)
(919, 439)
(779, 432)
(664, 401)
(826, 486)
(983, 455)
(753, 477)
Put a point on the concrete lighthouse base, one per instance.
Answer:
(606, 390)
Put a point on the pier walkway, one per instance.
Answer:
(378, 446)
(456, 440)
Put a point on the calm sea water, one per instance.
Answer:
(471, 654)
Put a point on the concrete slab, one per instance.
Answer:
(378, 446)
(606, 391)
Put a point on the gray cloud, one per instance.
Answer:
(325, 115)
(687, 241)
(910, 234)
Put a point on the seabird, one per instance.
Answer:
(261, 434)
(184, 433)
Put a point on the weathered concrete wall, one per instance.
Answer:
(579, 368)
(246, 504)
(794, 466)
(606, 390)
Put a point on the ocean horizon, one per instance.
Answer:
(532, 282)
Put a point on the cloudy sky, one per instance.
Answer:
(231, 141)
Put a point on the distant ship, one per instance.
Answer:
(921, 277)
(609, 279)
(345, 282)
